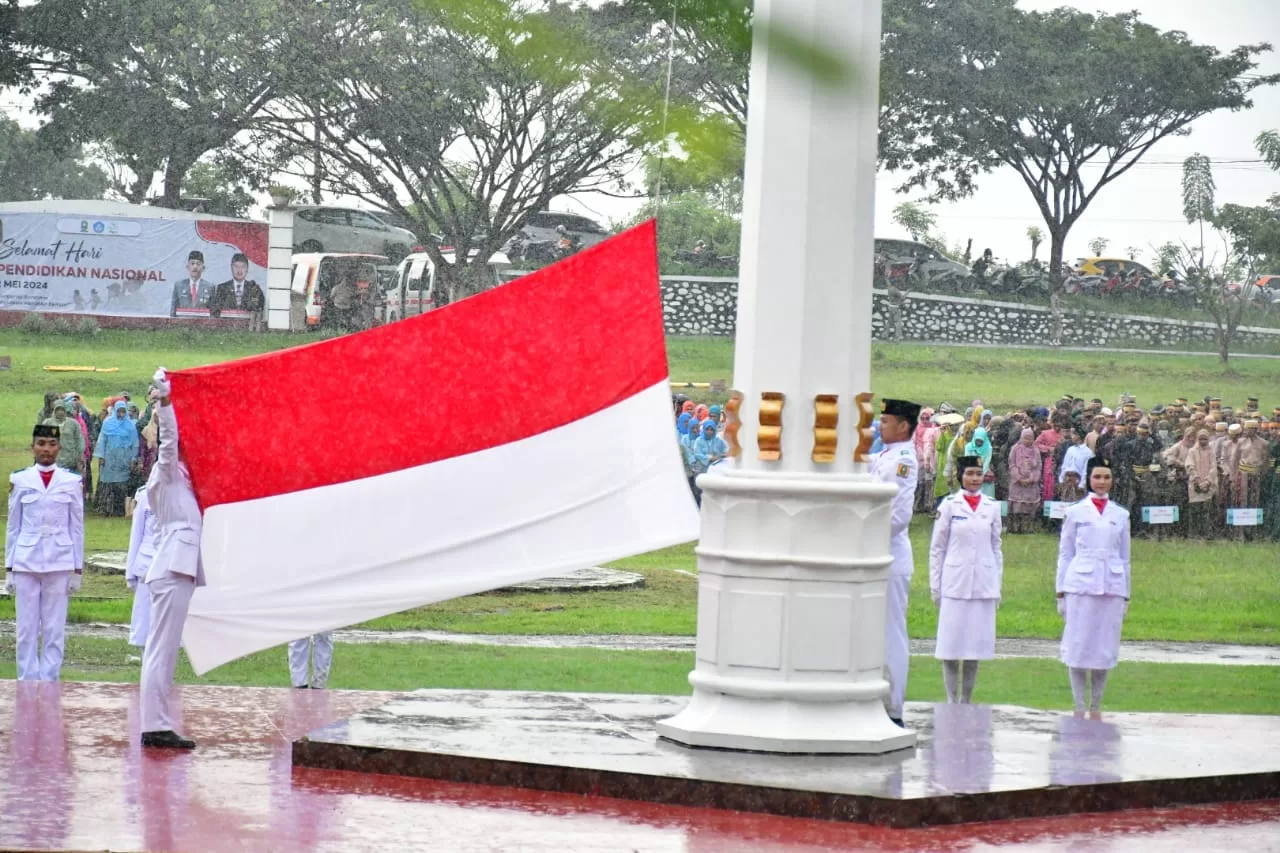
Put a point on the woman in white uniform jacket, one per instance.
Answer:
(965, 569)
(1093, 586)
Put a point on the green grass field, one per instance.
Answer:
(1032, 683)
(1222, 592)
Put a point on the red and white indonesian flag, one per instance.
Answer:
(517, 434)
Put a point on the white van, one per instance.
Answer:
(313, 278)
(413, 290)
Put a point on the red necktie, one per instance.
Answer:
(47, 476)
(1101, 504)
(193, 294)
(973, 501)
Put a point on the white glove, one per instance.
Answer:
(74, 583)
(936, 596)
(1062, 607)
(8, 583)
(132, 583)
(161, 381)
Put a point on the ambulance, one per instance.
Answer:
(412, 290)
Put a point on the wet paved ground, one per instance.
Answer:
(1145, 652)
(970, 762)
(72, 777)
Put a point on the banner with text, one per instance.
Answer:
(124, 267)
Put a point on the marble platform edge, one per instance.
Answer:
(850, 808)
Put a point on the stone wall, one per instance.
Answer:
(707, 306)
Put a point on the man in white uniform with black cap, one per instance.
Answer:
(43, 554)
(897, 464)
(173, 577)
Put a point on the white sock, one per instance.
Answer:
(1099, 681)
(950, 679)
(1079, 686)
(970, 678)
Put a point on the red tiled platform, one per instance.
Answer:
(974, 762)
(72, 777)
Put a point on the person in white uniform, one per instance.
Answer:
(142, 551)
(310, 659)
(43, 554)
(1093, 587)
(897, 464)
(966, 566)
(175, 573)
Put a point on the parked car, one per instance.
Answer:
(1111, 266)
(313, 278)
(345, 229)
(930, 263)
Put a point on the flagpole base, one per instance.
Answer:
(792, 577)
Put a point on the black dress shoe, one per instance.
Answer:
(897, 722)
(167, 740)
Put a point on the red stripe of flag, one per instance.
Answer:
(513, 362)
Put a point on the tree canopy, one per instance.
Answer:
(30, 172)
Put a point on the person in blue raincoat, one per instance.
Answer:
(116, 450)
(708, 448)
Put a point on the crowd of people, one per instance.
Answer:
(1205, 459)
(121, 438)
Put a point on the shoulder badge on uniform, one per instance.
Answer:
(904, 470)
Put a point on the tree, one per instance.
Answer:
(1255, 231)
(462, 125)
(915, 218)
(1268, 144)
(1218, 288)
(160, 84)
(1197, 191)
(1098, 245)
(1069, 101)
(685, 219)
(29, 172)
(222, 191)
(1036, 236)
(1132, 252)
(1166, 258)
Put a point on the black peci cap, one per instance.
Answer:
(1097, 462)
(968, 462)
(901, 408)
(196, 255)
(46, 431)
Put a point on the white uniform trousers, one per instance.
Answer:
(41, 602)
(140, 618)
(316, 650)
(170, 598)
(897, 648)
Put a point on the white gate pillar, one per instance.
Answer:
(279, 267)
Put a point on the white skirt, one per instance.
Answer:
(966, 629)
(1091, 637)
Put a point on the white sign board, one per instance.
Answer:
(1160, 514)
(119, 266)
(1244, 517)
(1055, 509)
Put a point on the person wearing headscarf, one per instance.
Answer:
(1047, 443)
(116, 450)
(1025, 471)
(1176, 490)
(688, 406)
(701, 412)
(925, 438)
(1071, 480)
(958, 448)
(71, 441)
(980, 446)
(708, 448)
(1202, 486)
(1093, 587)
(966, 565)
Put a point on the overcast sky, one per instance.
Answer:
(1143, 208)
